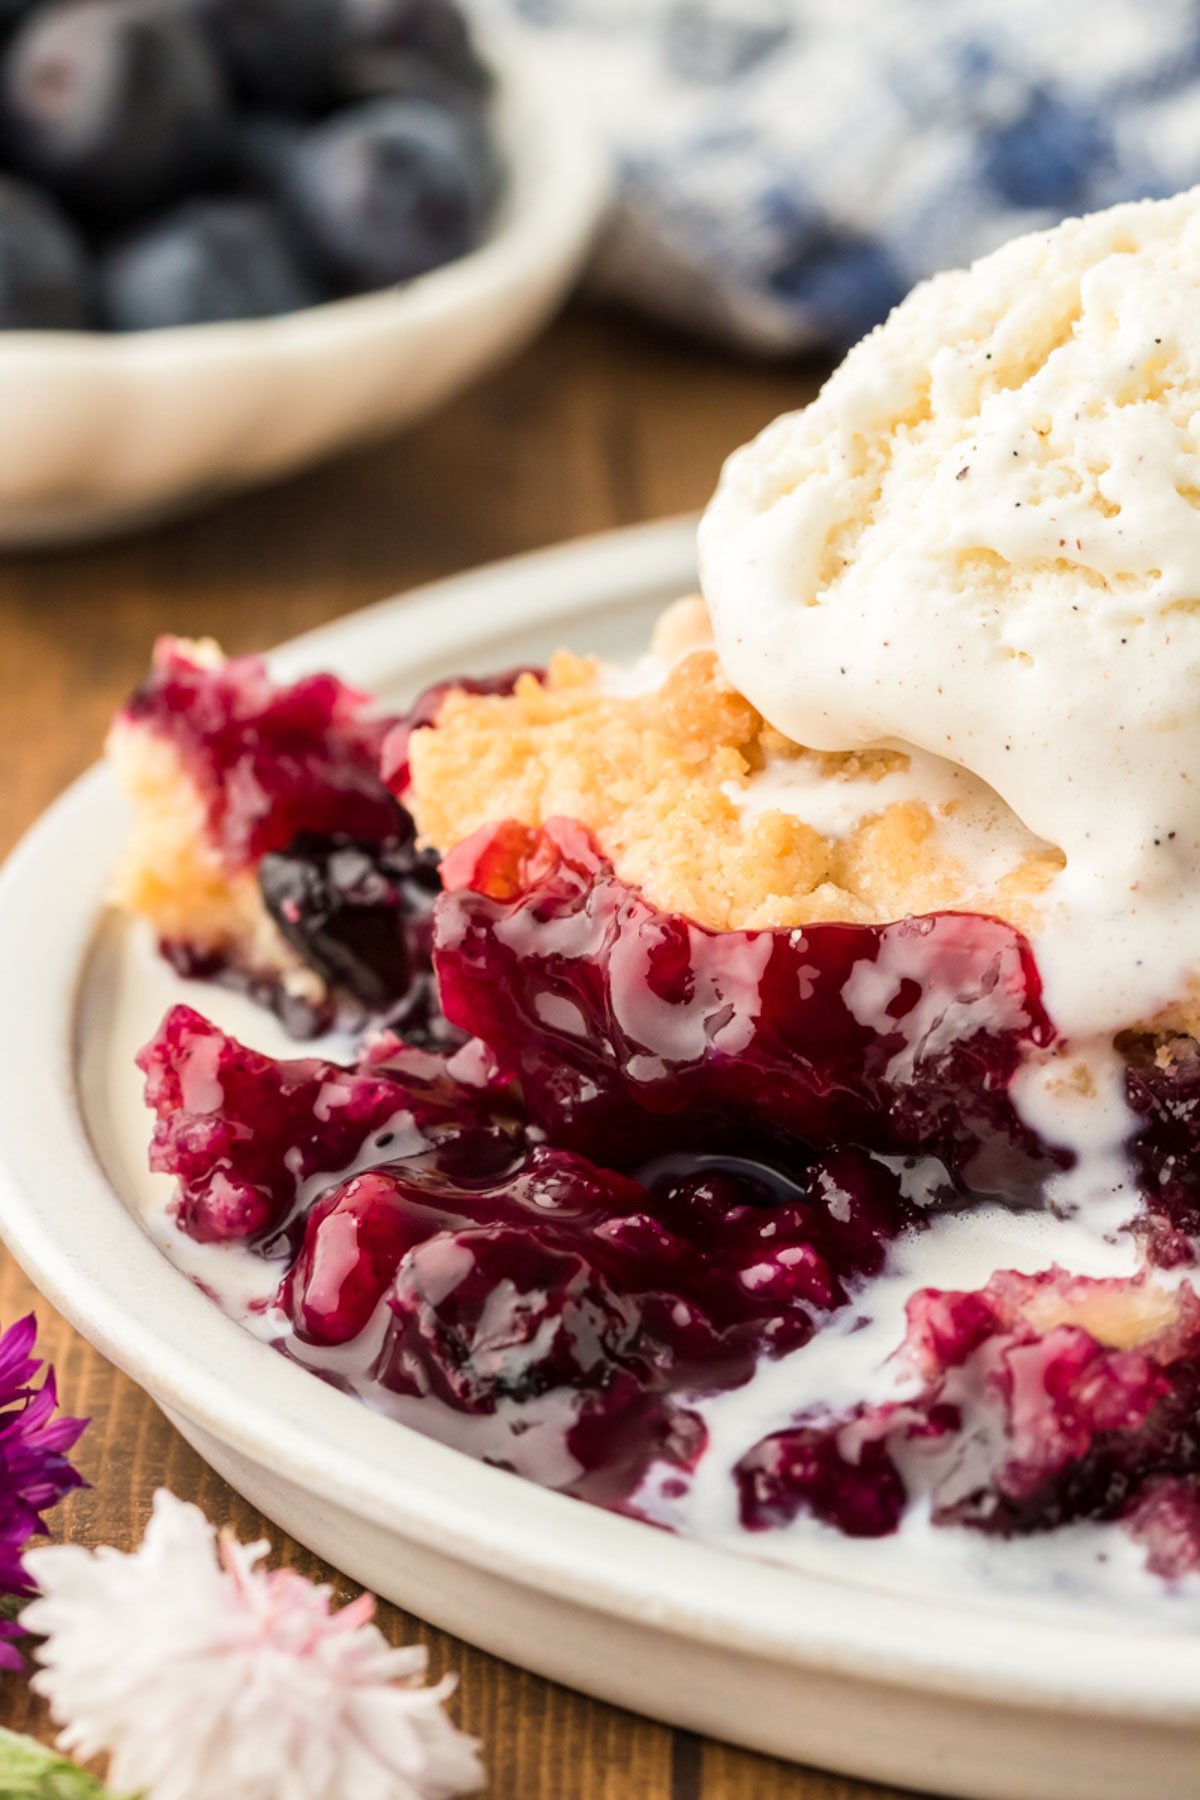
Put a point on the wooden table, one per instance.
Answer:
(601, 424)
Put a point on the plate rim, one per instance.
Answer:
(65, 1222)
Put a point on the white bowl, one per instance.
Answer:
(100, 432)
(1000, 1700)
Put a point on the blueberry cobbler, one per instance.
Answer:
(758, 1089)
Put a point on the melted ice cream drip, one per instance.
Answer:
(983, 540)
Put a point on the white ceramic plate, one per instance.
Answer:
(1003, 1701)
(103, 431)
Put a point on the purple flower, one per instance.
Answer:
(34, 1471)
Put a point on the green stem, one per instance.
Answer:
(28, 1771)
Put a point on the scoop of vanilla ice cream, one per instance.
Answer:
(983, 539)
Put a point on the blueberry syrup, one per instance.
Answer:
(269, 761)
(632, 1027)
(508, 1269)
(241, 1133)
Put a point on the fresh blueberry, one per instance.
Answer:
(277, 53)
(376, 73)
(44, 279)
(265, 147)
(306, 55)
(12, 12)
(391, 188)
(208, 260)
(432, 32)
(115, 105)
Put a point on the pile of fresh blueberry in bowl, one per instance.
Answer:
(180, 162)
(240, 236)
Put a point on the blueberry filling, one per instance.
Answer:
(269, 762)
(627, 1025)
(634, 1160)
(508, 1270)
(361, 915)
(291, 786)
(1015, 1427)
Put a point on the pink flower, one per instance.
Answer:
(206, 1677)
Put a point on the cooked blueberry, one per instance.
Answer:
(44, 280)
(207, 261)
(358, 913)
(803, 1470)
(277, 52)
(116, 105)
(391, 188)
(492, 1313)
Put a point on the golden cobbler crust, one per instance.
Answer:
(654, 776)
(173, 875)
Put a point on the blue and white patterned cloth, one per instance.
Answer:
(788, 168)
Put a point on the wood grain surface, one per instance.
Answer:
(603, 423)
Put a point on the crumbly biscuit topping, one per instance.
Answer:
(663, 776)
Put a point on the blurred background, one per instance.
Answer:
(305, 302)
(239, 237)
(788, 168)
